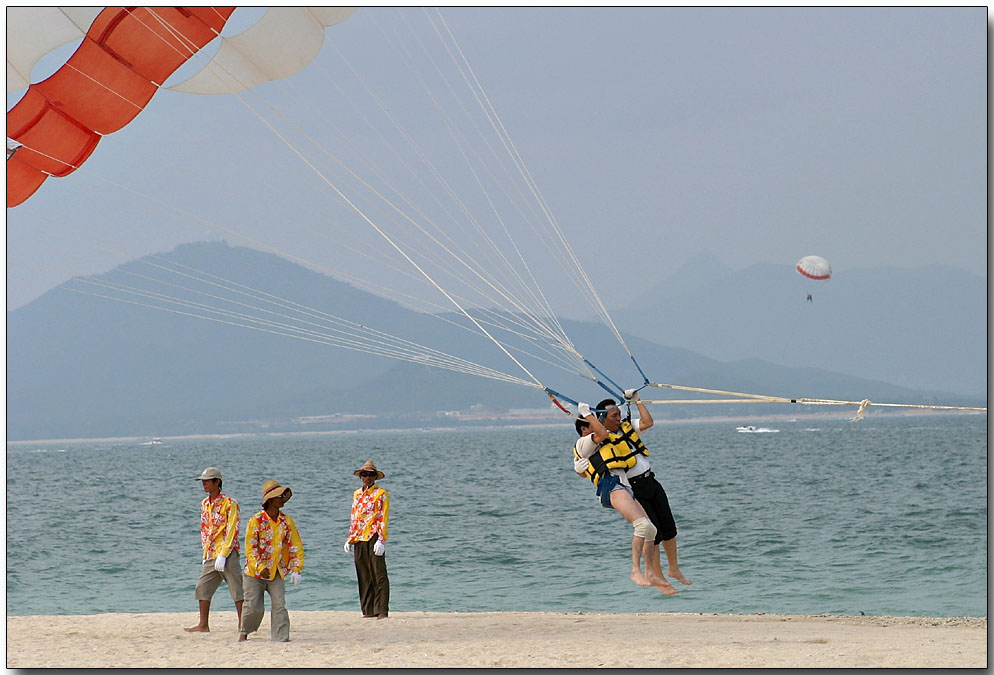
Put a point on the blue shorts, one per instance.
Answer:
(607, 485)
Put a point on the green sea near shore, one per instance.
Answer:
(887, 516)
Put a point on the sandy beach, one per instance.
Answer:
(501, 639)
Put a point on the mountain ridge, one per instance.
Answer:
(82, 367)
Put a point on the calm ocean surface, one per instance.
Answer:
(884, 516)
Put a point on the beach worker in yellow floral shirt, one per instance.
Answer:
(367, 542)
(273, 554)
(219, 537)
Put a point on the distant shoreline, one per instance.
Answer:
(840, 415)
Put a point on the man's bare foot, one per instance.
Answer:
(639, 578)
(242, 638)
(382, 616)
(665, 587)
(678, 575)
(198, 629)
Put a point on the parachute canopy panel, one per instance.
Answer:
(33, 32)
(814, 267)
(282, 42)
(123, 59)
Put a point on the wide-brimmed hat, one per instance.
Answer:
(369, 466)
(272, 488)
(210, 473)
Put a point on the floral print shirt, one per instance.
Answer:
(272, 546)
(370, 509)
(218, 526)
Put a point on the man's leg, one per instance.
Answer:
(667, 531)
(208, 582)
(672, 567)
(202, 626)
(647, 497)
(630, 509)
(279, 617)
(254, 607)
(233, 576)
(364, 576)
(381, 587)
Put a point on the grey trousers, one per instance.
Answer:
(371, 573)
(254, 607)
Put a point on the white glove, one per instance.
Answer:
(219, 563)
(580, 464)
(379, 547)
(632, 395)
(295, 578)
(583, 409)
(348, 547)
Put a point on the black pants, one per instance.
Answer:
(651, 495)
(371, 572)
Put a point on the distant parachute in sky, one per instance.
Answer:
(814, 267)
(125, 56)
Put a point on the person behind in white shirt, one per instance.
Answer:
(645, 487)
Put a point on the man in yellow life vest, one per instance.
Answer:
(647, 490)
(615, 492)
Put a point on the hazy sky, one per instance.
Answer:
(758, 134)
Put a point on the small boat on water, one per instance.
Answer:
(756, 430)
(154, 441)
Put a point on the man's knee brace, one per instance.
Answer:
(645, 529)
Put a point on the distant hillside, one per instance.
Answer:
(923, 328)
(82, 366)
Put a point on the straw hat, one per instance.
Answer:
(272, 488)
(369, 466)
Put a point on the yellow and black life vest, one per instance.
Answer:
(618, 451)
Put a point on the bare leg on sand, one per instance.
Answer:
(205, 610)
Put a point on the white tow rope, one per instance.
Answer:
(763, 398)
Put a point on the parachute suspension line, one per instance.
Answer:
(352, 279)
(512, 150)
(317, 313)
(382, 234)
(481, 371)
(386, 237)
(497, 126)
(476, 269)
(641, 372)
(604, 386)
(473, 268)
(517, 304)
(360, 282)
(395, 246)
(384, 345)
(533, 289)
(554, 395)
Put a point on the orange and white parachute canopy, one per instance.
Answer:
(125, 56)
(814, 267)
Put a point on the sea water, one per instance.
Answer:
(884, 516)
